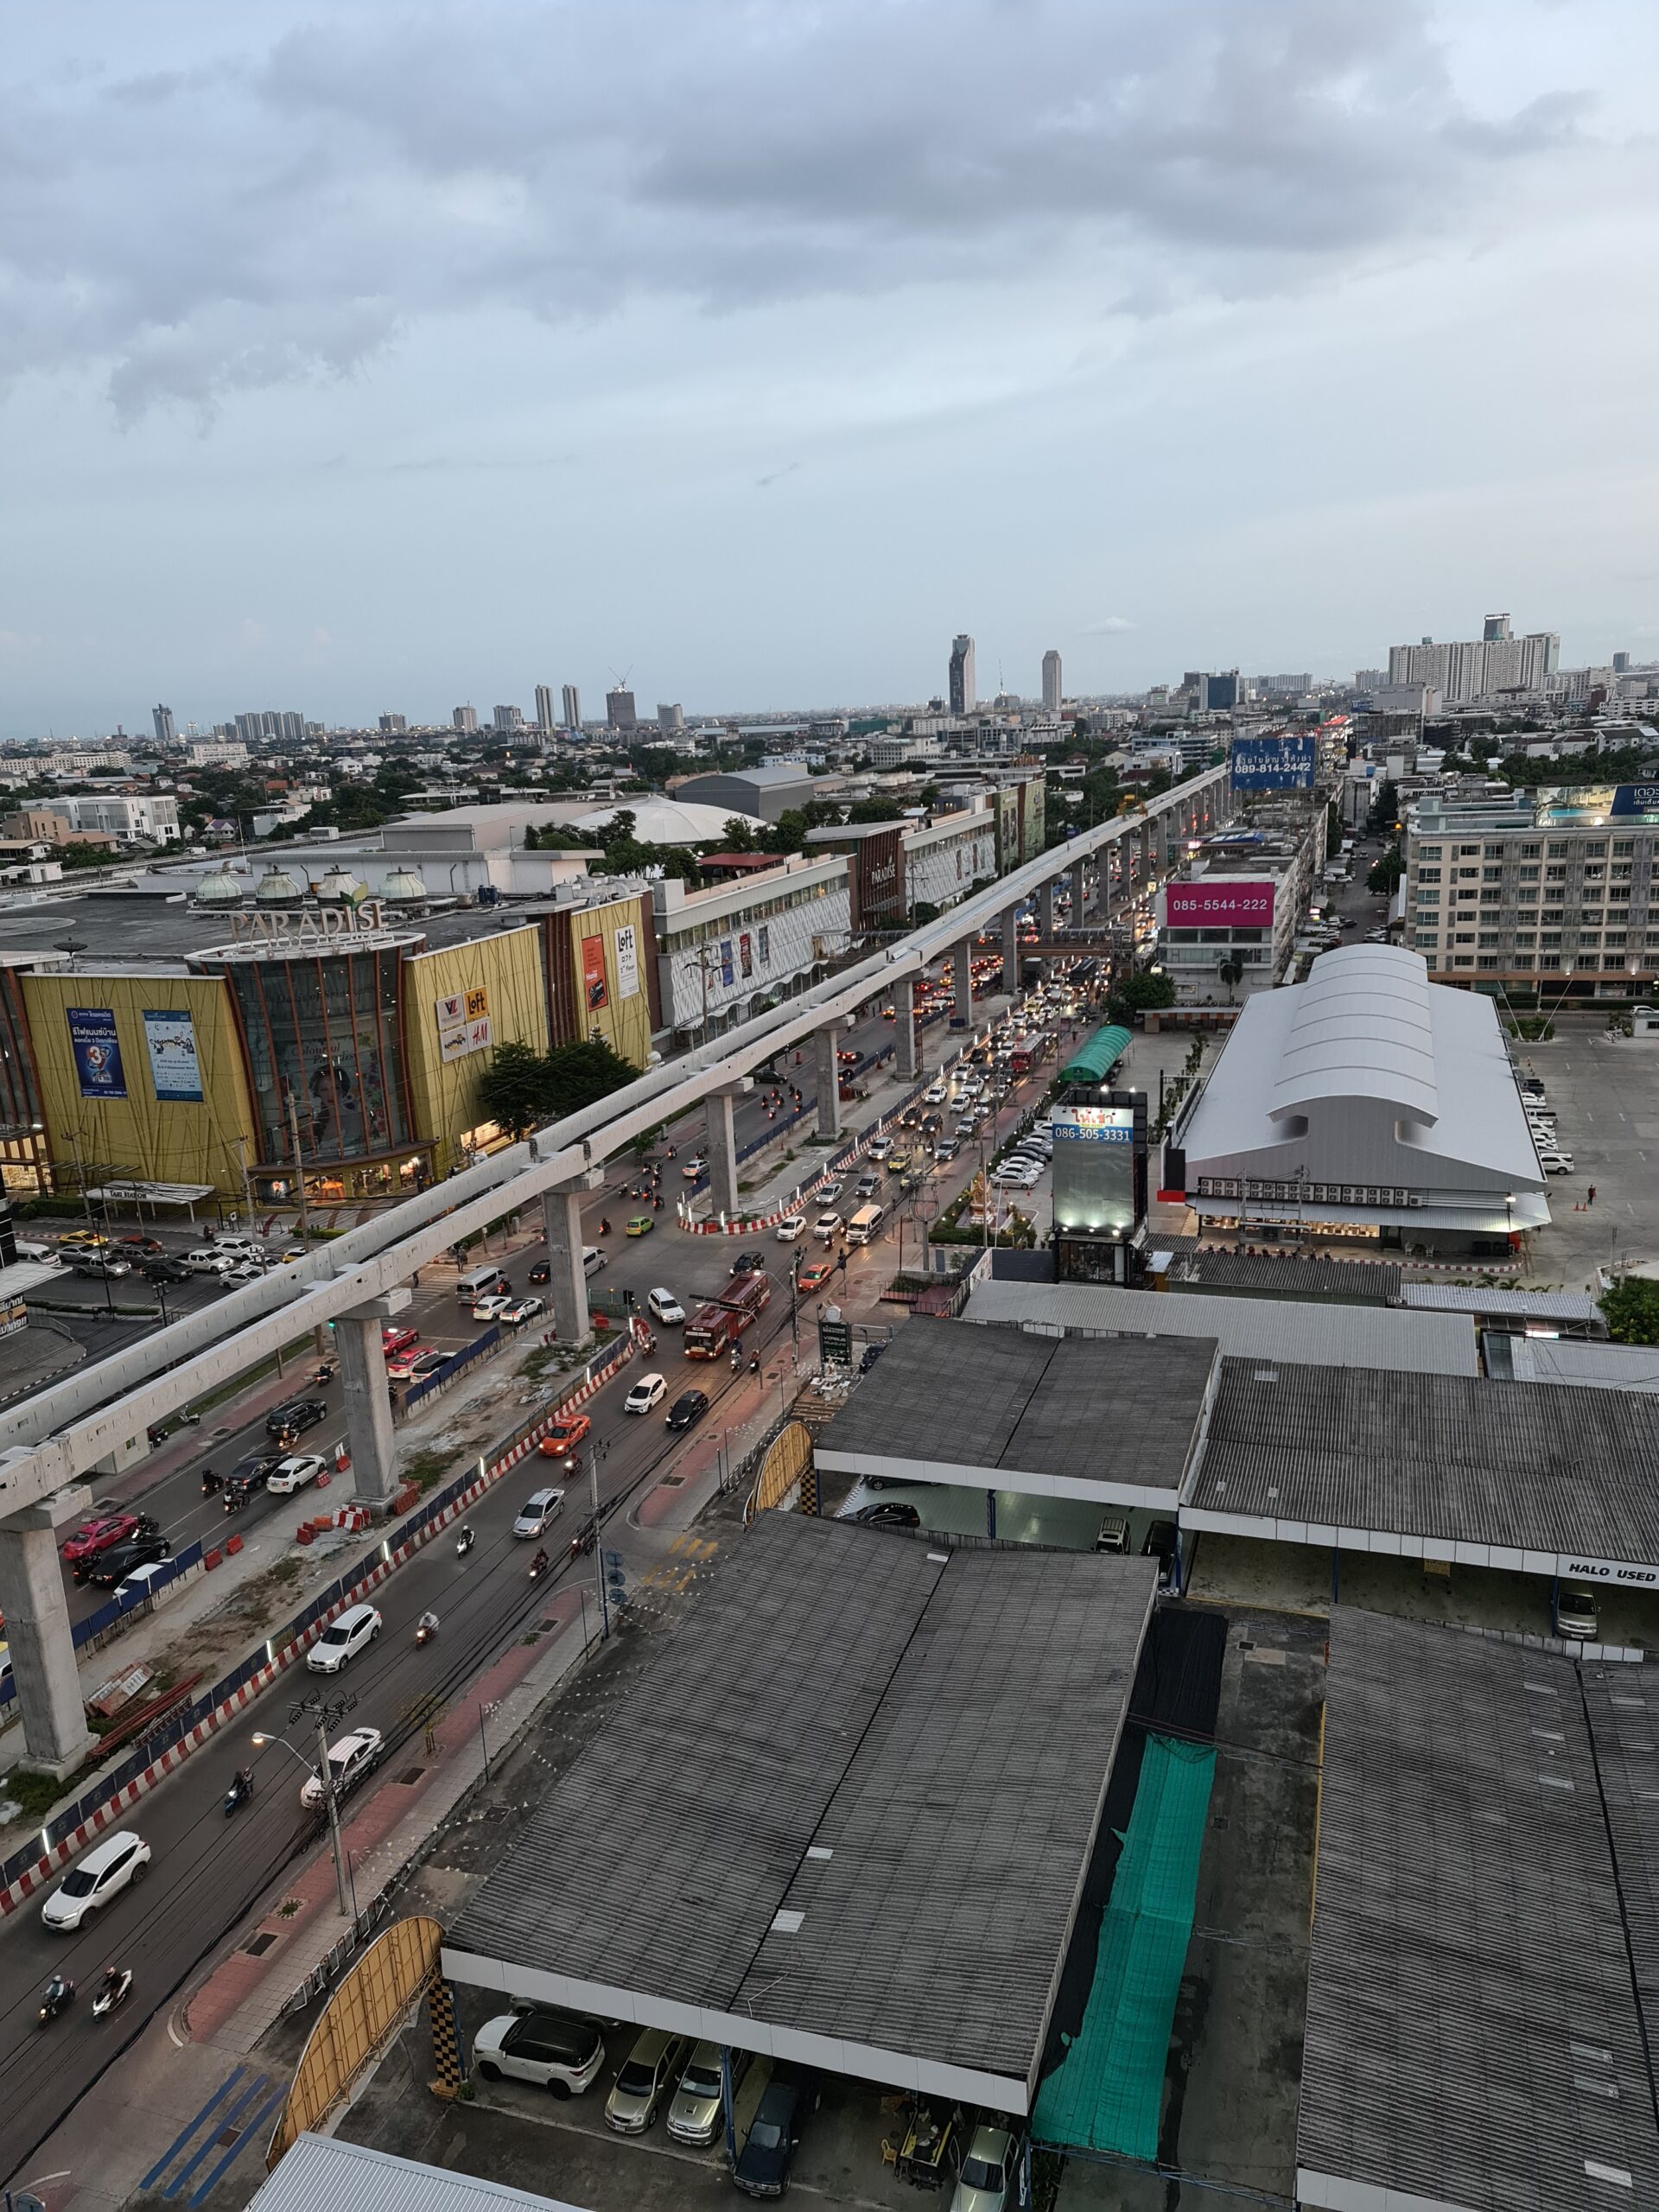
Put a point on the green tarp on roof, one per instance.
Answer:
(1095, 1061)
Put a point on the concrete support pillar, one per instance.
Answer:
(1045, 909)
(825, 1045)
(566, 1280)
(962, 958)
(1076, 875)
(368, 1401)
(723, 1150)
(56, 1735)
(908, 1041)
(1010, 953)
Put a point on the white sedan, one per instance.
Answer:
(650, 1390)
(349, 1760)
(493, 1307)
(520, 1310)
(791, 1226)
(294, 1472)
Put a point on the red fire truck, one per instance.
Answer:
(712, 1329)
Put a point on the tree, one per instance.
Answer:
(1384, 873)
(578, 1075)
(1143, 992)
(738, 834)
(513, 1089)
(1630, 1309)
(1383, 809)
(1230, 972)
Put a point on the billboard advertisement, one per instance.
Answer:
(596, 991)
(174, 1070)
(1094, 1170)
(97, 1051)
(627, 962)
(464, 1025)
(1219, 903)
(879, 897)
(1284, 763)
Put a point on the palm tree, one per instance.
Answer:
(1231, 972)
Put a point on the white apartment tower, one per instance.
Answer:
(572, 707)
(466, 721)
(1050, 682)
(544, 707)
(162, 718)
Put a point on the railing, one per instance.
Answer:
(456, 1365)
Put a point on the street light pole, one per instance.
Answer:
(594, 1450)
(324, 1714)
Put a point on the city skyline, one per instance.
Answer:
(1165, 325)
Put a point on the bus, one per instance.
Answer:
(1027, 1052)
(716, 1327)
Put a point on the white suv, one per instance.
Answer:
(556, 2051)
(354, 1630)
(107, 1869)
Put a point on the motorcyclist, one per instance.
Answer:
(59, 1991)
(428, 1622)
(737, 1359)
(754, 1364)
(109, 1986)
(604, 1226)
(464, 1541)
(539, 1564)
(244, 1780)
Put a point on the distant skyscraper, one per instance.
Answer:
(572, 707)
(162, 718)
(544, 707)
(1494, 629)
(466, 720)
(962, 694)
(393, 725)
(619, 710)
(1621, 667)
(1052, 694)
(670, 720)
(272, 727)
(1219, 692)
(506, 720)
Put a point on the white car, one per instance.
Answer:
(791, 1226)
(207, 1260)
(101, 1874)
(247, 1271)
(541, 1508)
(141, 1583)
(353, 1631)
(492, 1308)
(294, 1472)
(827, 1193)
(826, 1229)
(244, 1248)
(935, 1094)
(666, 1307)
(1555, 1163)
(650, 1390)
(878, 1148)
(349, 1760)
(522, 1310)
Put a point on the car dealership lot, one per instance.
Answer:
(1603, 1092)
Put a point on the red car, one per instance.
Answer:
(392, 1341)
(95, 1536)
(565, 1435)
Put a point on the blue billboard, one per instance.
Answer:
(1284, 763)
(97, 1051)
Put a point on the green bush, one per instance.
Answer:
(1631, 1310)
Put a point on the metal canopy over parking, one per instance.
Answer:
(844, 1817)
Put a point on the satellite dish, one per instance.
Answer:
(22, 2202)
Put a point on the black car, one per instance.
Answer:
(115, 1565)
(749, 1263)
(688, 1408)
(872, 1353)
(540, 1272)
(167, 1271)
(762, 2165)
(1163, 1539)
(298, 1415)
(253, 1466)
(888, 1513)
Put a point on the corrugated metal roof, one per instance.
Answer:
(956, 1396)
(1472, 2037)
(1372, 1282)
(1536, 1305)
(321, 2174)
(1581, 1363)
(1622, 1703)
(1518, 1465)
(944, 1726)
(1360, 1029)
(1337, 1336)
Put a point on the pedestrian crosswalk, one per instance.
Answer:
(687, 1554)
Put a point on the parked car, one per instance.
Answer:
(117, 1863)
(294, 1417)
(349, 1760)
(887, 1513)
(565, 1438)
(346, 1634)
(539, 1512)
(1160, 1542)
(763, 2164)
(791, 1226)
(986, 2181)
(1555, 1163)
(115, 1565)
(650, 1390)
(695, 2114)
(558, 2051)
(648, 2074)
(1576, 1616)
(294, 1472)
(688, 1408)
(666, 1307)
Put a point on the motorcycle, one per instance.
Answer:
(424, 1632)
(326, 1372)
(59, 1997)
(112, 1992)
(538, 1567)
(239, 1792)
(210, 1483)
(235, 1497)
(464, 1543)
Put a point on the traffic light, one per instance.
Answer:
(616, 1581)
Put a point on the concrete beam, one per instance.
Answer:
(55, 1736)
(826, 1043)
(961, 958)
(1011, 952)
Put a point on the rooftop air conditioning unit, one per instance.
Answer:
(1413, 1199)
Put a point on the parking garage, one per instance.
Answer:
(843, 1820)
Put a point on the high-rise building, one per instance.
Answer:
(962, 694)
(162, 718)
(505, 720)
(1369, 679)
(620, 711)
(466, 720)
(544, 707)
(272, 726)
(670, 720)
(1473, 667)
(1219, 692)
(393, 725)
(572, 707)
(1052, 681)
(1494, 629)
(1621, 667)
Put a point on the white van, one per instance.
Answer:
(865, 1224)
(479, 1282)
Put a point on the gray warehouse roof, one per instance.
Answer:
(845, 1816)
(1578, 1362)
(1337, 1336)
(1472, 2037)
(1510, 1474)
(953, 1403)
(323, 2174)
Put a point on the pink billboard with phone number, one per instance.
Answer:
(1231, 905)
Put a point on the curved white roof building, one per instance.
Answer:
(668, 821)
(1367, 1103)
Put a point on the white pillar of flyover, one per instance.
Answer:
(1046, 908)
(55, 1736)
(1076, 875)
(722, 1144)
(825, 1044)
(1010, 953)
(962, 961)
(906, 1039)
(567, 1279)
(368, 1397)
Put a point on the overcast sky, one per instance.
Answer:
(372, 357)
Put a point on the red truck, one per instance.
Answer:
(712, 1329)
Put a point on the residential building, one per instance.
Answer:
(132, 819)
(37, 825)
(215, 753)
(544, 708)
(1549, 892)
(1050, 682)
(162, 718)
(466, 721)
(962, 694)
(1369, 679)
(507, 721)
(1476, 668)
(620, 713)
(271, 725)
(572, 698)
(394, 725)
(670, 720)
(1239, 903)
(1218, 693)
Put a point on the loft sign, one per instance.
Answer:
(326, 922)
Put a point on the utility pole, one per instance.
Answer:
(598, 1548)
(332, 1803)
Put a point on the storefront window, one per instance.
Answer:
(324, 1054)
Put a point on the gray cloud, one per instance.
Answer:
(285, 212)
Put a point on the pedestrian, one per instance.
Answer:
(1591, 1195)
